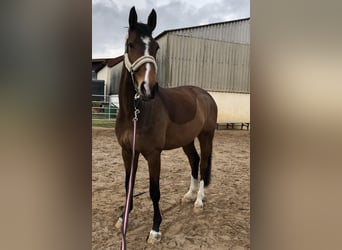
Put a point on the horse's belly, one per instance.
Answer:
(181, 135)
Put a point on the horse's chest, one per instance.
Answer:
(123, 133)
(144, 140)
(125, 138)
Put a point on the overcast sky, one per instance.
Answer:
(110, 18)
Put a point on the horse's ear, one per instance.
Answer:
(152, 20)
(133, 18)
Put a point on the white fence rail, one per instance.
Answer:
(104, 107)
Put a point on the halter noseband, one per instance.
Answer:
(140, 61)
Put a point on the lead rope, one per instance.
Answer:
(130, 184)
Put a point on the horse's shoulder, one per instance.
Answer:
(180, 102)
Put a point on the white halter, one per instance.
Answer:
(140, 61)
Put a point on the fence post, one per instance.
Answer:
(109, 110)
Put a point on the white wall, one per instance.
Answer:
(104, 74)
(232, 107)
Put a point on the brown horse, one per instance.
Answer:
(169, 118)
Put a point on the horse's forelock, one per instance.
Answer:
(143, 29)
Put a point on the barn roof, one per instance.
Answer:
(99, 63)
(114, 61)
(200, 26)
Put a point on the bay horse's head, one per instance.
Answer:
(140, 54)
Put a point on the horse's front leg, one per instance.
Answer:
(153, 160)
(127, 158)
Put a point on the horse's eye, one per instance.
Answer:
(130, 45)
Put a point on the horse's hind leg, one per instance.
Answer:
(194, 159)
(206, 144)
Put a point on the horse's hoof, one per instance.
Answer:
(198, 204)
(188, 197)
(154, 237)
(118, 224)
(198, 210)
(186, 200)
(198, 207)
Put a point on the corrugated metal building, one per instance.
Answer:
(214, 57)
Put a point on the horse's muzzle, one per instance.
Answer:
(147, 92)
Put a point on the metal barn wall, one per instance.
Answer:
(210, 64)
(163, 63)
(234, 31)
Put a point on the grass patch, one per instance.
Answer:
(103, 123)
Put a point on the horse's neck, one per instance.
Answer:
(126, 95)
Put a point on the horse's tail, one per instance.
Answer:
(207, 173)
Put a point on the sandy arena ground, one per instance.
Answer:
(224, 222)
